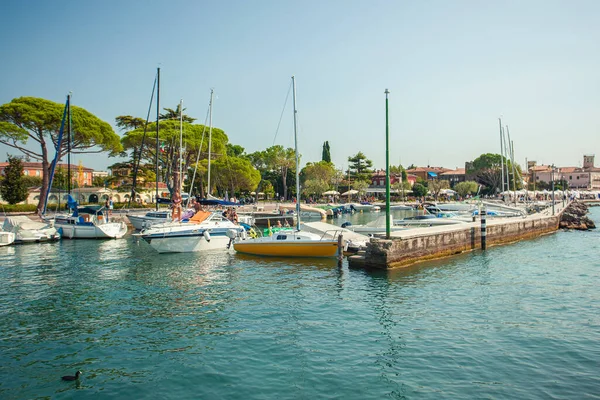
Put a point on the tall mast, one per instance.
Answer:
(512, 161)
(180, 183)
(157, 119)
(297, 160)
(501, 154)
(69, 144)
(209, 138)
(387, 168)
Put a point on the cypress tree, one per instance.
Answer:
(326, 154)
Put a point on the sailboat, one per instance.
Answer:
(292, 242)
(86, 222)
(157, 216)
(204, 231)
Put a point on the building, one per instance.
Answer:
(454, 176)
(582, 178)
(427, 173)
(79, 173)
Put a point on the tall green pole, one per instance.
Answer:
(387, 168)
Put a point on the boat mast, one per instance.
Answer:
(296, 151)
(387, 168)
(69, 144)
(501, 155)
(209, 139)
(180, 183)
(157, 141)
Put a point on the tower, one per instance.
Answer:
(588, 161)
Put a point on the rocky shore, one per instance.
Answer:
(574, 217)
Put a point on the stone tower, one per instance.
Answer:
(588, 161)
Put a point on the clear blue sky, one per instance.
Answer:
(453, 67)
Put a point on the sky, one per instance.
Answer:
(452, 69)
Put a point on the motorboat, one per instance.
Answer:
(28, 231)
(365, 207)
(140, 222)
(376, 226)
(432, 220)
(90, 222)
(204, 231)
(6, 238)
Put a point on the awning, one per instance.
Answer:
(431, 174)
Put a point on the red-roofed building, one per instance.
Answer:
(35, 169)
(453, 176)
(427, 173)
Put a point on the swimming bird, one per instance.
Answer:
(71, 377)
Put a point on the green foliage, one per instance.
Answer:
(465, 188)
(419, 190)
(12, 187)
(326, 152)
(171, 114)
(38, 119)
(7, 208)
(314, 186)
(361, 186)
(436, 186)
(235, 174)
(235, 150)
(317, 177)
(360, 166)
(32, 181)
(98, 181)
(488, 172)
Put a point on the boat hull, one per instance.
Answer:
(140, 222)
(111, 230)
(6, 238)
(189, 243)
(325, 248)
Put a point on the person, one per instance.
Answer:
(176, 203)
(197, 206)
(278, 223)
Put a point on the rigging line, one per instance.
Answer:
(282, 111)
(197, 159)
(136, 164)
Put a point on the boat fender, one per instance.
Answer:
(243, 234)
(231, 233)
(345, 224)
(206, 235)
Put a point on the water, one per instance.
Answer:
(518, 321)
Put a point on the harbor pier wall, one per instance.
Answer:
(408, 247)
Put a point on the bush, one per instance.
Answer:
(18, 207)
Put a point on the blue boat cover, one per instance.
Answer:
(431, 173)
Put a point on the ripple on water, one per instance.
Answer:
(517, 321)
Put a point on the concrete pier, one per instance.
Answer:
(420, 244)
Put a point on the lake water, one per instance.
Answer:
(517, 321)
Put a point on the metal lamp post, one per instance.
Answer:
(552, 173)
(387, 168)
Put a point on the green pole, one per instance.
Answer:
(387, 168)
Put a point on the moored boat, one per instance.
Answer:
(29, 231)
(204, 231)
(6, 238)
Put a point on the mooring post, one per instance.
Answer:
(483, 228)
(340, 247)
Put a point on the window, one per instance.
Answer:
(570, 177)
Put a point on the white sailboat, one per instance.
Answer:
(290, 242)
(6, 238)
(87, 222)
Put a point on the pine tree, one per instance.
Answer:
(13, 188)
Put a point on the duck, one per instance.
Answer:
(71, 377)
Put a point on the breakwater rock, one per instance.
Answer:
(574, 217)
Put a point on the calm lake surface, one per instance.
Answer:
(518, 321)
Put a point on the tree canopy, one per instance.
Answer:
(487, 169)
(360, 166)
(326, 152)
(39, 120)
(12, 186)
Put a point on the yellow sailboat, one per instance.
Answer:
(292, 242)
